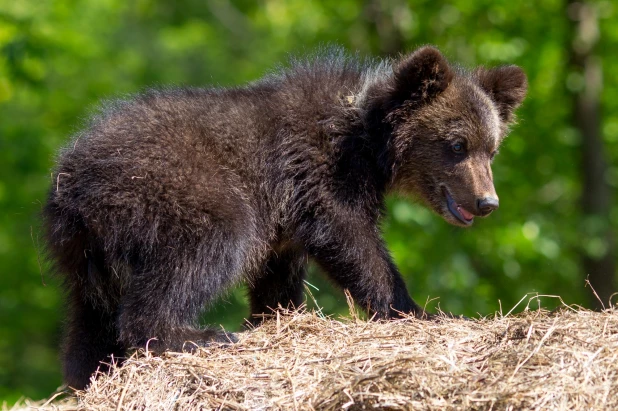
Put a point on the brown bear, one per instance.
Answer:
(166, 200)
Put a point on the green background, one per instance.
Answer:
(58, 59)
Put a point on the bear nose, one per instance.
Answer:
(487, 205)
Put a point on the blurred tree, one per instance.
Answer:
(598, 252)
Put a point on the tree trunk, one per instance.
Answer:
(598, 255)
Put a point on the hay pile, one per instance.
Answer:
(567, 359)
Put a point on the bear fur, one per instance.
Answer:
(166, 200)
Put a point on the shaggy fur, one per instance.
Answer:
(168, 199)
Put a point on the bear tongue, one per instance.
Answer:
(464, 213)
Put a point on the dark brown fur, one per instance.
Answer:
(168, 199)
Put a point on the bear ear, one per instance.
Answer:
(506, 86)
(421, 75)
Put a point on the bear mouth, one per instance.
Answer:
(457, 210)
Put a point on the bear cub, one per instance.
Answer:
(166, 200)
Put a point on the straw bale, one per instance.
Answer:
(536, 360)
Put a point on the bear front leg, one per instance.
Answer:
(280, 283)
(349, 247)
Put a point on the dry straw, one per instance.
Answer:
(540, 360)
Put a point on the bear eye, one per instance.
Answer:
(458, 148)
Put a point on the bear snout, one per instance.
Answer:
(486, 205)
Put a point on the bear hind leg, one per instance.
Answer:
(168, 291)
(90, 342)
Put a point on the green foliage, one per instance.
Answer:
(59, 58)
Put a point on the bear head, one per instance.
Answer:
(445, 126)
